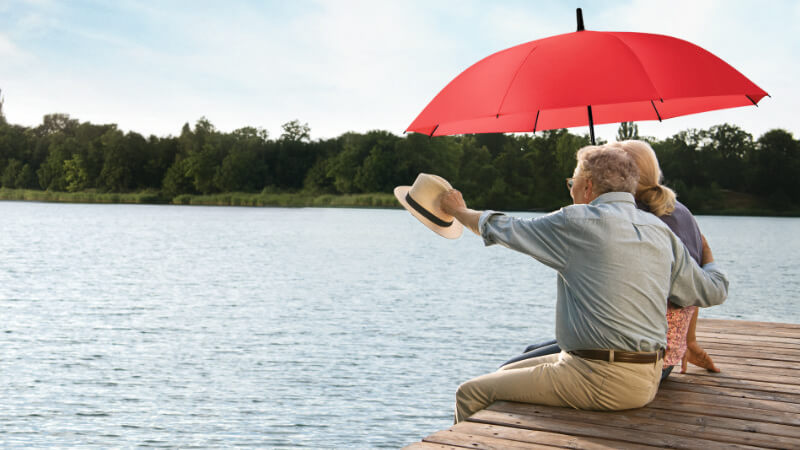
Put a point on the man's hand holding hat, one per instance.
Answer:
(452, 203)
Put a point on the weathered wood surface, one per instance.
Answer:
(753, 403)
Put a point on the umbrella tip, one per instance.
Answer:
(579, 13)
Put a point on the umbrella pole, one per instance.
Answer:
(579, 17)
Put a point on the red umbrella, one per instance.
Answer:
(585, 77)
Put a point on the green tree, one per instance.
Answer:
(2, 115)
(9, 176)
(116, 174)
(777, 158)
(553, 155)
(294, 131)
(52, 172)
(377, 173)
(58, 123)
(475, 171)
(724, 156)
(177, 180)
(26, 178)
(158, 156)
(342, 168)
(244, 168)
(317, 178)
(199, 153)
(75, 175)
(680, 159)
(418, 153)
(627, 131)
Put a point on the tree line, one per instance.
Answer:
(502, 171)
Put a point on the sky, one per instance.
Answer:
(344, 65)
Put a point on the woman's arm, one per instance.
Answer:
(694, 352)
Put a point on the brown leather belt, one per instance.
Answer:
(620, 356)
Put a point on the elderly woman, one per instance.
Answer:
(660, 200)
(617, 265)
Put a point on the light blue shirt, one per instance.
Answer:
(617, 267)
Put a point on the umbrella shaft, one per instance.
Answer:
(591, 123)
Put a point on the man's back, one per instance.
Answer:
(613, 289)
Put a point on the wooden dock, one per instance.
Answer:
(753, 403)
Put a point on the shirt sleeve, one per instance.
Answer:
(693, 285)
(544, 238)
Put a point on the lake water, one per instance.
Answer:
(139, 325)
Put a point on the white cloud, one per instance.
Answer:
(8, 50)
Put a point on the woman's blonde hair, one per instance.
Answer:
(657, 197)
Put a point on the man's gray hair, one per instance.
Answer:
(609, 168)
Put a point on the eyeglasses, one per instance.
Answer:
(570, 182)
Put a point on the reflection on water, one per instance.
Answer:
(193, 326)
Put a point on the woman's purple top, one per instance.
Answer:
(682, 223)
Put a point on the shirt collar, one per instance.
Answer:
(613, 197)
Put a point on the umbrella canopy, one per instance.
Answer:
(583, 78)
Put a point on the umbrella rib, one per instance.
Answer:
(656, 110)
(512, 82)
(434, 130)
(751, 100)
(536, 122)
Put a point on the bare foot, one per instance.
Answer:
(697, 356)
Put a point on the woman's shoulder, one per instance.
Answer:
(681, 213)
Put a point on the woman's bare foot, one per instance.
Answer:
(697, 356)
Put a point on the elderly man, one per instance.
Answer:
(617, 266)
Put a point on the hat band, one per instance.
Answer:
(425, 213)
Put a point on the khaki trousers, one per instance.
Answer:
(562, 380)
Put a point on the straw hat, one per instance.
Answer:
(421, 201)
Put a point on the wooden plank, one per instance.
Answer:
(733, 351)
(735, 412)
(542, 437)
(632, 420)
(788, 374)
(757, 331)
(578, 428)
(773, 370)
(746, 324)
(744, 342)
(766, 342)
(745, 375)
(463, 440)
(731, 392)
(757, 362)
(777, 367)
(772, 339)
(667, 418)
(750, 331)
(756, 351)
(430, 446)
(735, 383)
(702, 399)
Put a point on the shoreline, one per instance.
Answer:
(263, 199)
(380, 200)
